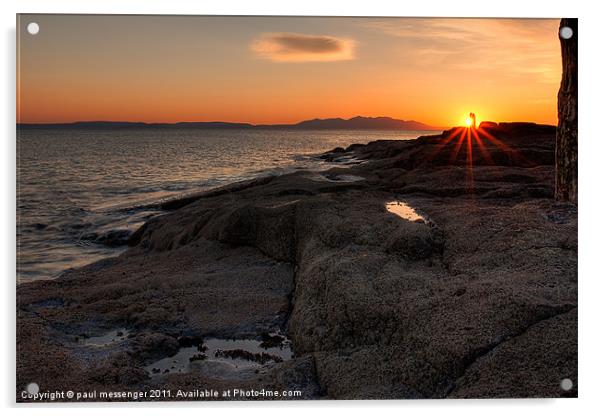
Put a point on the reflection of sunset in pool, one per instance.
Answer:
(403, 210)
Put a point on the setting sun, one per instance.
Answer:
(471, 120)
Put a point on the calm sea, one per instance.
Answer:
(75, 187)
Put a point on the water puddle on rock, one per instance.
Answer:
(403, 210)
(112, 337)
(348, 160)
(331, 177)
(225, 358)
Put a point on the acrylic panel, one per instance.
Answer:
(295, 208)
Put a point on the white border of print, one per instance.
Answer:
(590, 151)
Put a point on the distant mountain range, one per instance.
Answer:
(362, 123)
(355, 123)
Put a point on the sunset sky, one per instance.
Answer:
(286, 69)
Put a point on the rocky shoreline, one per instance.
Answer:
(476, 299)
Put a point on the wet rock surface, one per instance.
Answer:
(478, 301)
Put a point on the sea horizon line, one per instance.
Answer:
(353, 123)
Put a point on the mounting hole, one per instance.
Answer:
(33, 28)
(566, 384)
(33, 388)
(566, 32)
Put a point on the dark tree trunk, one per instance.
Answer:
(566, 133)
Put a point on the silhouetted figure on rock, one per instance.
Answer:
(473, 120)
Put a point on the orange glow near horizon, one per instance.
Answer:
(270, 70)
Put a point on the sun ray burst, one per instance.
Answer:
(479, 145)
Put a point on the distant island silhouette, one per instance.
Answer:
(355, 123)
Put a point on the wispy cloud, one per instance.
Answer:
(297, 47)
(515, 46)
